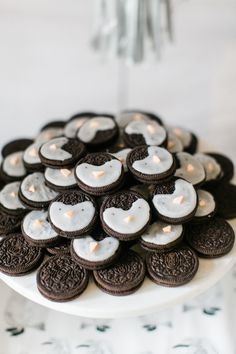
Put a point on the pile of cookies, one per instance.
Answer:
(116, 197)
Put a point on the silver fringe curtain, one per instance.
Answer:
(130, 28)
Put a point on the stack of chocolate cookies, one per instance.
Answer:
(119, 198)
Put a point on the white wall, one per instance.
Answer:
(47, 68)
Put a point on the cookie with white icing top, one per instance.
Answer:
(60, 179)
(73, 214)
(31, 158)
(34, 193)
(175, 201)
(99, 173)
(125, 215)
(161, 236)
(75, 122)
(9, 199)
(142, 132)
(98, 131)
(12, 167)
(61, 152)
(37, 230)
(150, 164)
(15, 146)
(206, 206)
(127, 116)
(212, 167)
(226, 165)
(95, 254)
(187, 138)
(174, 144)
(190, 169)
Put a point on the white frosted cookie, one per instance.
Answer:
(179, 204)
(144, 133)
(98, 173)
(34, 192)
(212, 168)
(125, 215)
(190, 169)
(161, 236)
(182, 134)
(98, 130)
(48, 134)
(174, 144)
(72, 213)
(9, 198)
(150, 163)
(72, 126)
(12, 165)
(37, 229)
(60, 179)
(93, 254)
(122, 156)
(206, 205)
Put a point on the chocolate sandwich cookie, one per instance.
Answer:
(75, 122)
(17, 257)
(187, 138)
(62, 247)
(175, 201)
(50, 131)
(9, 199)
(174, 144)
(9, 223)
(37, 230)
(121, 155)
(72, 214)
(15, 146)
(99, 173)
(127, 116)
(61, 152)
(12, 167)
(226, 165)
(34, 193)
(225, 196)
(150, 164)
(212, 239)
(123, 278)
(61, 279)
(60, 179)
(162, 237)
(95, 254)
(213, 169)
(144, 133)
(125, 215)
(31, 157)
(190, 169)
(172, 268)
(206, 206)
(98, 131)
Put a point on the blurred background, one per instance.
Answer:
(49, 70)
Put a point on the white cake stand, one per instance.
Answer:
(149, 298)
